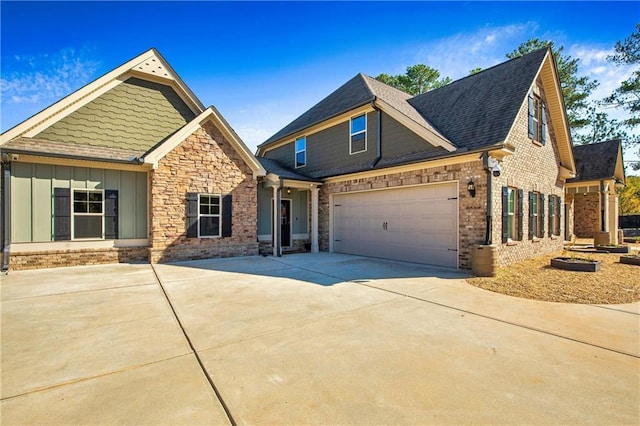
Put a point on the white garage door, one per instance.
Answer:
(414, 224)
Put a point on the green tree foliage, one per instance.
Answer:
(417, 79)
(600, 127)
(575, 88)
(629, 201)
(627, 96)
(476, 70)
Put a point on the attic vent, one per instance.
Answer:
(154, 67)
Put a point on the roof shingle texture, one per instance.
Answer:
(596, 161)
(69, 150)
(479, 110)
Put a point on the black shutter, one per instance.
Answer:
(532, 113)
(543, 135)
(551, 203)
(520, 213)
(541, 218)
(192, 215)
(559, 201)
(110, 214)
(531, 217)
(505, 214)
(227, 211)
(61, 214)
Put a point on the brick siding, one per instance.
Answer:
(586, 214)
(60, 258)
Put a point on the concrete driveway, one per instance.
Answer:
(305, 339)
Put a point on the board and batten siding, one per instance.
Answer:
(32, 198)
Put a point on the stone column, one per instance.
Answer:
(613, 217)
(314, 220)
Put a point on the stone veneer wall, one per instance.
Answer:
(586, 214)
(205, 162)
(60, 258)
(472, 211)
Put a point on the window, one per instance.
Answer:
(208, 215)
(537, 119)
(511, 214)
(536, 215)
(88, 218)
(555, 204)
(358, 134)
(301, 151)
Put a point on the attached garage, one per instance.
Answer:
(413, 224)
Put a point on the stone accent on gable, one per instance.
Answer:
(205, 162)
(472, 211)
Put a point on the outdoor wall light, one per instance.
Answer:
(471, 187)
(288, 191)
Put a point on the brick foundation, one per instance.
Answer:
(61, 258)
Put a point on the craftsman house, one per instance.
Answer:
(370, 170)
(130, 167)
(599, 171)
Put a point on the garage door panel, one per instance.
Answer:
(416, 224)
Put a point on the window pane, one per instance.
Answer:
(358, 142)
(95, 207)
(79, 196)
(87, 226)
(79, 207)
(204, 209)
(301, 144)
(95, 196)
(301, 159)
(512, 201)
(358, 124)
(210, 226)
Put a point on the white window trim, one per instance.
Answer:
(352, 134)
(536, 215)
(219, 215)
(74, 214)
(295, 148)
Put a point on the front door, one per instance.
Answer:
(285, 222)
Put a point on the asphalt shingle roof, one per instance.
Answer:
(273, 166)
(479, 110)
(70, 150)
(474, 112)
(596, 161)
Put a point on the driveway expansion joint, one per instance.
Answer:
(194, 351)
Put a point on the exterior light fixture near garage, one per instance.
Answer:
(471, 187)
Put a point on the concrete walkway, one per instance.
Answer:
(305, 339)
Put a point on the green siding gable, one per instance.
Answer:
(136, 115)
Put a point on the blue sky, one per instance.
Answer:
(264, 63)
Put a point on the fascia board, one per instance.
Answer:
(209, 114)
(67, 105)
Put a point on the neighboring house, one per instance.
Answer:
(130, 167)
(372, 171)
(600, 170)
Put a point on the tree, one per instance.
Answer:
(627, 96)
(575, 88)
(599, 128)
(417, 79)
(476, 70)
(629, 201)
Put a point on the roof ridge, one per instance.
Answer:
(366, 83)
(483, 71)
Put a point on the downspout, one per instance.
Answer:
(278, 229)
(489, 231)
(378, 133)
(5, 211)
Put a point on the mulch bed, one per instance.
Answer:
(615, 283)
